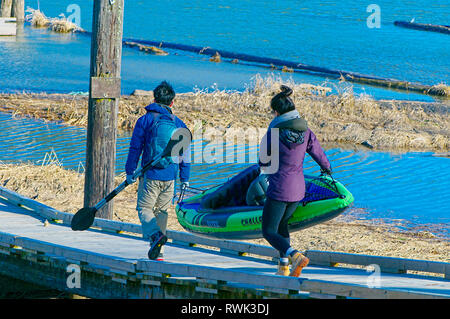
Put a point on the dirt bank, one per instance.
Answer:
(335, 118)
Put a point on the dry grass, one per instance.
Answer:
(61, 24)
(442, 88)
(51, 184)
(342, 117)
(37, 18)
(62, 189)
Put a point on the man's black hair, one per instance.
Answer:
(281, 102)
(164, 93)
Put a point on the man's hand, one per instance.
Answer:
(184, 185)
(130, 179)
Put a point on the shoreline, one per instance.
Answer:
(63, 190)
(343, 118)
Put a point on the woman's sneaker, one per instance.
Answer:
(283, 268)
(298, 262)
(157, 241)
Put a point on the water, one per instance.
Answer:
(411, 186)
(331, 34)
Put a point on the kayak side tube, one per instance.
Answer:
(244, 222)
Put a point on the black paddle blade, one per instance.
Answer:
(83, 219)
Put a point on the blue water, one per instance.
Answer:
(412, 187)
(331, 34)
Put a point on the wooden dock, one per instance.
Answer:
(8, 26)
(110, 260)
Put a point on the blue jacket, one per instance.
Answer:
(140, 143)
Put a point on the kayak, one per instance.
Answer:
(233, 210)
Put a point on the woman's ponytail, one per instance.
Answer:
(281, 102)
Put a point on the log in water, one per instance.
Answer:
(423, 26)
(296, 66)
(290, 66)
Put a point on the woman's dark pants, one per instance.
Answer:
(275, 219)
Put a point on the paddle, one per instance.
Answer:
(84, 218)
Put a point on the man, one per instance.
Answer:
(156, 186)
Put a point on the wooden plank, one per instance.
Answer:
(386, 264)
(357, 291)
(7, 238)
(69, 253)
(286, 283)
(215, 273)
(151, 282)
(43, 210)
(229, 245)
(117, 226)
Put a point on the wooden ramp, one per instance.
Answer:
(112, 262)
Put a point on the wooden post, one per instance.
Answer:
(18, 10)
(6, 9)
(104, 94)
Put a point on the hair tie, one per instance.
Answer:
(287, 91)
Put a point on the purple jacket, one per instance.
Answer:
(287, 184)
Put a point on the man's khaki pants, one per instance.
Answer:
(153, 200)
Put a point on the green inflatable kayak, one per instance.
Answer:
(233, 210)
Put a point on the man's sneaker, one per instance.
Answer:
(298, 262)
(160, 257)
(157, 241)
(283, 268)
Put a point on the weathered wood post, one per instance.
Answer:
(104, 94)
(18, 10)
(6, 9)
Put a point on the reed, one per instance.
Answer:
(48, 182)
(342, 117)
(443, 88)
(36, 18)
(61, 24)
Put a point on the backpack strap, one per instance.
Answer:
(156, 115)
(166, 107)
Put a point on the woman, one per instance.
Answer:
(287, 184)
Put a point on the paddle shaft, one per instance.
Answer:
(124, 184)
(140, 172)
